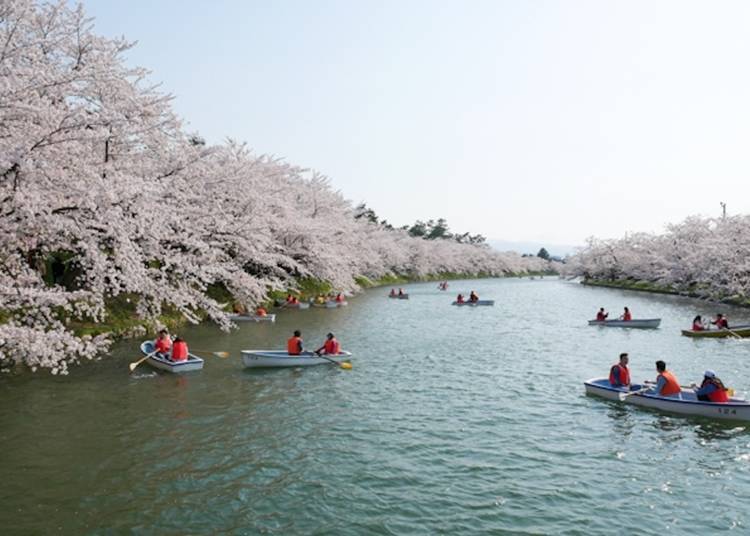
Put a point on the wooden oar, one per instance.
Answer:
(623, 396)
(343, 365)
(222, 355)
(141, 360)
(737, 335)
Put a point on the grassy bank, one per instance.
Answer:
(695, 291)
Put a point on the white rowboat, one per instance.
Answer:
(331, 304)
(300, 305)
(252, 318)
(737, 409)
(643, 323)
(473, 304)
(280, 358)
(161, 362)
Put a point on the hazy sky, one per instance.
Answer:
(534, 120)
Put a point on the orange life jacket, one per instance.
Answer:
(260, 311)
(332, 346)
(293, 345)
(672, 387)
(720, 394)
(627, 316)
(624, 375)
(179, 351)
(163, 345)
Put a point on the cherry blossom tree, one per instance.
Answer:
(103, 194)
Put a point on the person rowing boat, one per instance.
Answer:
(712, 389)
(330, 347)
(666, 382)
(601, 316)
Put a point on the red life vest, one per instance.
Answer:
(624, 375)
(627, 316)
(163, 345)
(260, 311)
(720, 394)
(460, 299)
(721, 324)
(697, 326)
(601, 316)
(332, 346)
(179, 351)
(293, 345)
(339, 298)
(672, 387)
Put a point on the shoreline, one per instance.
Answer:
(646, 286)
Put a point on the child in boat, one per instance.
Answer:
(179, 350)
(330, 347)
(163, 344)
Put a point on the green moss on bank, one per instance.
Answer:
(695, 290)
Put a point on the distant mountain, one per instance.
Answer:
(556, 250)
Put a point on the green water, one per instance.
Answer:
(452, 421)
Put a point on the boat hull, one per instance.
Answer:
(157, 361)
(735, 410)
(402, 297)
(281, 359)
(642, 323)
(331, 304)
(739, 331)
(474, 304)
(252, 318)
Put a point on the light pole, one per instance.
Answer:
(723, 210)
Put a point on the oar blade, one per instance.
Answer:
(223, 355)
(346, 366)
(133, 365)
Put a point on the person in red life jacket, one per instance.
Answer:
(698, 324)
(294, 344)
(601, 316)
(473, 297)
(666, 382)
(619, 374)
(712, 389)
(393, 292)
(179, 350)
(460, 298)
(626, 315)
(339, 297)
(720, 321)
(163, 343)
(330, 347)
(260, 311)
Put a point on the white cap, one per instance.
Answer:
(709, 374)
